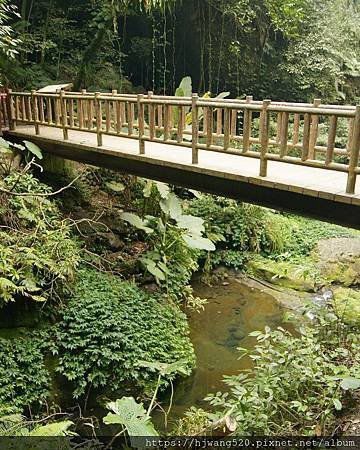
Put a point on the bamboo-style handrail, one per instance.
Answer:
(233, 126)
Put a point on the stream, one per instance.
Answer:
(233, 311)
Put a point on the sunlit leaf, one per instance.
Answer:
(115, 186)
(132, 415)
(199, 243)
(194, 224)
(171, 206)
(136, 221)
(34, 149)
(350, 383)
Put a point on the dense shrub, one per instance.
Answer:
(38, 254)
(247, 228)
(299, 391)
(24, 379)
(239, 228)
(110, 326)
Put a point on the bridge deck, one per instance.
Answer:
(309, 181)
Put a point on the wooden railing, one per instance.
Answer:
(266, 130)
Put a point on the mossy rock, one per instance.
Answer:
(285, 274)
(339, 260)
(346, 303)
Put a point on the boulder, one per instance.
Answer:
(285, 274)
(338, 260)
(346, 303)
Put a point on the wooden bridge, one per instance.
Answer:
(298, 157)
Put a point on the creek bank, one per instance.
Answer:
(332, 267)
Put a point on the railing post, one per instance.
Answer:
(264, 128)
(63, 115)
(98, 114)
(10, 112)
(354, 154)
(314, 130)
(195, 128)
(247, 125)
(36, 111)
(141, 123)
(151, 116)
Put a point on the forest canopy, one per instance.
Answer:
(285, 50)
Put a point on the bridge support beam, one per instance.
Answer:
(346, 214)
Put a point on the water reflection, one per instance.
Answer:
(233, 311)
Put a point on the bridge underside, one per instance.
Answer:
(263, 192)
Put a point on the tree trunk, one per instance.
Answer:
(89, 55)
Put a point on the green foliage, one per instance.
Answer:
(324, 61)
(24, 379)
(239, 228)
(303, 234)
(38, 254)
(8, 42)
(174, 238)
(111, 325)
(17, 425)
(295, 392)
(131, 415)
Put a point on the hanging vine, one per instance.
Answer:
(173, 85)
(210, 47)
(164, 51)
(221, 45)
(153, 50)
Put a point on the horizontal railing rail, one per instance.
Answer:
(307, 134)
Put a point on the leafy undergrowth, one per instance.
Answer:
(110, 326)
(242, 230)
(38, 252)
(297, 392)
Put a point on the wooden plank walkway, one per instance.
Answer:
(308, 181)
